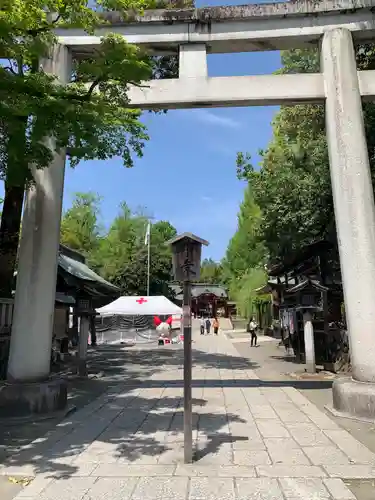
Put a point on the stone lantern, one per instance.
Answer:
(308, 298)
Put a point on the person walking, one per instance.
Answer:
(253, 329)
(208, 326)
(202, 325)
(216, 325)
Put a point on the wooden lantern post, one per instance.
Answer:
(186, 257)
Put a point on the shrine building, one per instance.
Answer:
(206, 299)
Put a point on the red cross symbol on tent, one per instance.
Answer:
(141, 300)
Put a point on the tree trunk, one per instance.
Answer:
(9, 236)
(16, 176)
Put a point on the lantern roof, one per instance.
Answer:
(188, 236)
(308, 283)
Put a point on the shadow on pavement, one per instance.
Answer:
(108, 367)
(241, 383)
(214, 443)
(123, 427)
(130, 363)
(134, 433)
(289, 358)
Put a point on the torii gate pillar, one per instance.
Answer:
(355, 218)
(31, 339)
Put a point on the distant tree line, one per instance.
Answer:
(119, 253)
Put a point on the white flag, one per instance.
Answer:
(147, 237)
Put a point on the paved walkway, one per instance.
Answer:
(254, 439)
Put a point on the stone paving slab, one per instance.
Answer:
(191, 488)
(252, 440)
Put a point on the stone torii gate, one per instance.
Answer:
(192, 33)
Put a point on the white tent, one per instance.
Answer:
(143, 306)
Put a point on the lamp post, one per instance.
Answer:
(186, 258)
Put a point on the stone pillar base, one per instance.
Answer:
(354, 399)
(32, 399)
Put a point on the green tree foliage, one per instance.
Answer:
(246, 250)
(124, 239)
(89, 116)
(80, 224)
(243, 290)
(91, 124)
(34, 104)
(120, 254)
(211, 272)
(293, 188)
(290, 194)
(131, 275)
(243, 265)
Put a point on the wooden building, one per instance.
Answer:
(206, 299)
(75, 282)
(75, 279)
(316, 266)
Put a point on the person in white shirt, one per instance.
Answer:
(202, 325)
(253, 329)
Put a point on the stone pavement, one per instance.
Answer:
(254, 439)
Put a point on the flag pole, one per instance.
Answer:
(148, 258)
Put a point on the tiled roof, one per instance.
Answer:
(198, 289)
(81, 271)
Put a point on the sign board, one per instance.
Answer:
(84, 306)
(186, 256)
(289, 300)
(310, 299)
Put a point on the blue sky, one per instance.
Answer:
(188, 172)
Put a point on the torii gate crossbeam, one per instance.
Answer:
(245, 28)
(232, 91)
(241, 28)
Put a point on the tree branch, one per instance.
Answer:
(10, 69)
(94, 84)
(57, 19)
(20, 66)
(139, 85)
(43, 29)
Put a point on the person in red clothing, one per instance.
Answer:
(216, 325)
